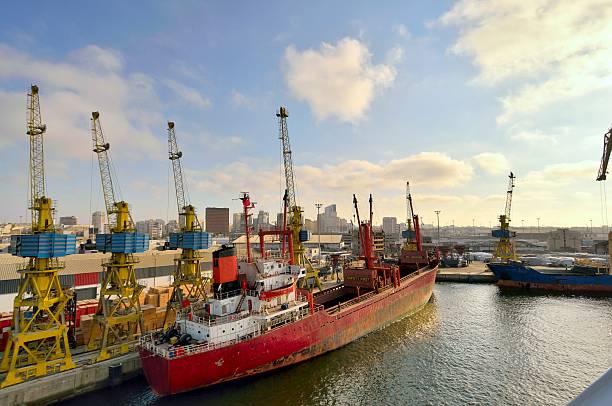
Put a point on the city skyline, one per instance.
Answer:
(408, 92)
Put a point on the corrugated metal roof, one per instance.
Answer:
(92, 262)
(314, 239)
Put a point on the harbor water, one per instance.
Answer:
(472, 344)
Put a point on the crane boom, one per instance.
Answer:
(101, 147)
(175, 156)
(603, 167)
(287, 159)
(409, 208)
(509, 196)
(36, 129)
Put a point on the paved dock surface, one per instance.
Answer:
(475, 272)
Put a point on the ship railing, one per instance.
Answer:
(148, 342)
(316, 307)
(344, 305)
(215, 320)
(225, 295)
(348, 303)
(237, 292)
(286, 318)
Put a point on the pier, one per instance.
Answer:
(475, 272)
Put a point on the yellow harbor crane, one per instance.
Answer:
(505, 250)
(187, 274)
(298, 235)
(118, 317)
(38, 340)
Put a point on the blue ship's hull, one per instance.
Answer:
(517, 275)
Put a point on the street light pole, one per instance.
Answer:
(318, 206)
(438, 217)
(538, 225)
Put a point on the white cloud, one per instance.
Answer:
(90, 79)
(12, 108)
(395, 55)
(492, 163)
(337, 182)
(188, 94)
(96, 58)
(401, 30)
(535, 138)
(561, 175)
(240, 100)
(336, 80)
(558, 49)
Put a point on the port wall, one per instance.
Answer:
(53, 388)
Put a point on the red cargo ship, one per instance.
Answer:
(267, 323)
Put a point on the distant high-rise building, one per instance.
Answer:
(329, 222)
(172, 226)
(141, 226)
(263, 220)
(98, 219)
(68, 221)
(310, 225)
(154, 228)
(389, 225)
(217, 220)
(279, 220)
(238, 223)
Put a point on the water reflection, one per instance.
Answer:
(472, 344)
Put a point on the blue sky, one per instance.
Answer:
(449, 95)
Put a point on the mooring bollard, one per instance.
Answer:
(115, 374)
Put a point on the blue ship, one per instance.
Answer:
(578, 279)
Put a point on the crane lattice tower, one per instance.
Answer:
(295, 220)
(188, 284)
(118, 318)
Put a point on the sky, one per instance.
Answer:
(450, 96)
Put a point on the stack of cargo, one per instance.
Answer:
(5, 327)
(158, 296)
(84, 331)
(153, 304)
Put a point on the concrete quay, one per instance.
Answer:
(475, 272)
(84, 378)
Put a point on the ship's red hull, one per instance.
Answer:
(292, 343)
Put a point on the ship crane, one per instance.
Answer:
(118, 317)
(38, 341)
(505, 250)
(298, 235)
(188, 285)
